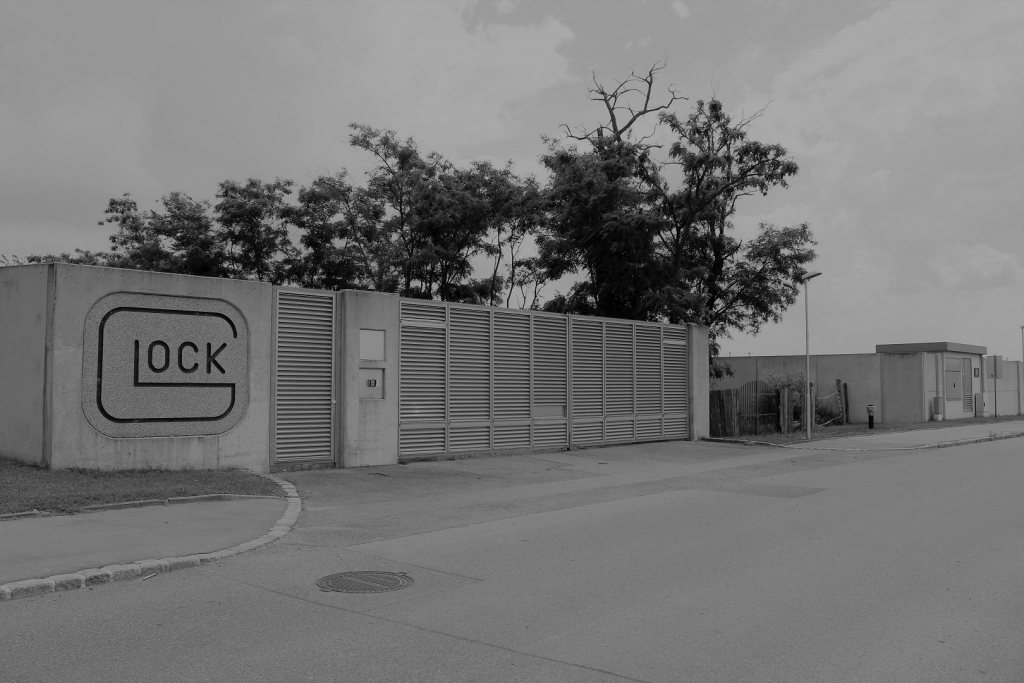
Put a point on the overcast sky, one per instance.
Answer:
(906, 118)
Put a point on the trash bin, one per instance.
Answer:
(871, 416)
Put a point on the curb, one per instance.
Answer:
(206, 497)
(941, 444)
(146, 569)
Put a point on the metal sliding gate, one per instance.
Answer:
(474, 378)
(304, 375)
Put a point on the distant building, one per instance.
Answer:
(904, 382)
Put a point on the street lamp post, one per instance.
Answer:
(808, 406)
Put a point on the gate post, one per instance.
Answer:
(368, 414)
(699, 393)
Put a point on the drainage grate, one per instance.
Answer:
(364, 582)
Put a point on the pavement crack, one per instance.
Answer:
(433, 631)
(418, 566)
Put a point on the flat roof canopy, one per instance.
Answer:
(931, 347)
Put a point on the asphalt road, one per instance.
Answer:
(657, 562)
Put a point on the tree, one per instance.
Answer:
(602, 221)
(712, 277)
(391, 191)
(180, 240)
(328, 261)
(193, 246)
(80, 257)
(253, 230)
(652, 249)
(377, 256)
(136, 244)
(530, 280)
(452, 218)
(514, 213)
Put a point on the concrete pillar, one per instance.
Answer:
(700, 384)
(368, 378)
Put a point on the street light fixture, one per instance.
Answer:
(808, 407)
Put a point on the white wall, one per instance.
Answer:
(75, 443)
(24, 301)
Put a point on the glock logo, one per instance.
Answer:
(165, 366)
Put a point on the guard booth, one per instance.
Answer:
(112, 368)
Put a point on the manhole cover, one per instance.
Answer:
(364, 582)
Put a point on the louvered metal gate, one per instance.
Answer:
(304, 376)
(475, 378)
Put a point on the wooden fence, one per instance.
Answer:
(754, 408)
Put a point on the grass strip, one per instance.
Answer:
(26, 487)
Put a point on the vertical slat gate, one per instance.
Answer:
(648, 382)
(619, 387)
(469, 379)
(511, 380)
(422, 402)
(477, 379)
(304, 377)
(676, 382)
(587, 380)
(550, 381)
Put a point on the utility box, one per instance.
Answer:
(980, 409)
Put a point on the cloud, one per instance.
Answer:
(88, 139)
(905, 65)
(419, 69)
(269, 91)
(681, 9)
(639, 43)
(906, 129)
(979, 266)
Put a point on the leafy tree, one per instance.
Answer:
(136, 244)
(253, 230)
(712, 277)
(515, 211)
(602, 221)
(531, 277)
(391, 190)
(377, 256)
(452, 215)
(80, 257)
(180, 240)
(328, 261)
(651, 248)
(187, 229)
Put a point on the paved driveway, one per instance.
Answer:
(656, 562)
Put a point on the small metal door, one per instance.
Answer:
(304, 399)
(968, 385)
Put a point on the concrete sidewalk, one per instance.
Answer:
(37, 547)
(918, 437)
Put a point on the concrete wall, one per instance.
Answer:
(368, 425)
(860, 371)
(699, 399)
(903, 387)
(25, 299)
(1004, 397)
(75, 443)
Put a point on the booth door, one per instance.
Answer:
(968, 382)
